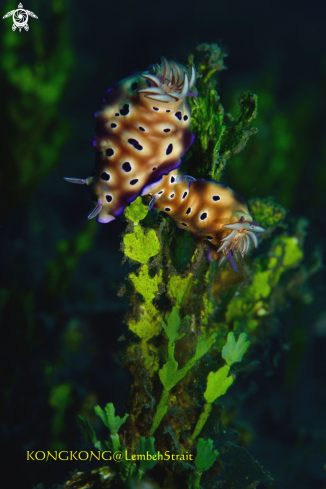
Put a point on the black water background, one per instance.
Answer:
(112, 39)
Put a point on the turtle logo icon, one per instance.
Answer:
(20, 18)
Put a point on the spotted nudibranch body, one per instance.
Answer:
(210, 211)
(142, 132)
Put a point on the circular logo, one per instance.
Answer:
(20, 18)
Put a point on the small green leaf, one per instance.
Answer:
(178, 287)
(141, 246)
(170, 375)
(147, 451)
(233, 351)
(218, 383)
(109, 419)
(89, 433)
(172, 327)
(87, 429)
(206, 456)
(136, 211)
(203, 346)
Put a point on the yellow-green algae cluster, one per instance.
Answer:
(193, 338)
(193, 322)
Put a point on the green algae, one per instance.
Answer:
(292, 252)
(109, 419)
(170, 374)
(140, 246)
(178, 287)
(187, 313)
(137, 211)
(205, 458)
(206, 455)
(267, 212)
(147, 451)
(218, 139)
(233, 351)
(219, 382)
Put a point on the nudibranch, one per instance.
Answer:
(210, 211)
(143, 130)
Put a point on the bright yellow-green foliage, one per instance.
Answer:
(170, 374)
(178, 287)
(206, 455)
(267, 212)
(136, 211)
(149, 324)
(217, 384)
(109, 419)
(233, 351)
(147, 286)
(173, 325)
(140, 245)
(293, 253)
(251, 303)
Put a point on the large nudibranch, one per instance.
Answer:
(143, 130)
(210, 211)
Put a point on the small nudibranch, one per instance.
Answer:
(143, 130)
(210, 211)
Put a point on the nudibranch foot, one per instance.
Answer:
(105, 219)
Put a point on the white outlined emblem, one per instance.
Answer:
(20, 18)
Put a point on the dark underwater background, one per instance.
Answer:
(61, 318)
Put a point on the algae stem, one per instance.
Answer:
(195, 480)
(202, 420)
(115, 442)
(160, 411)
